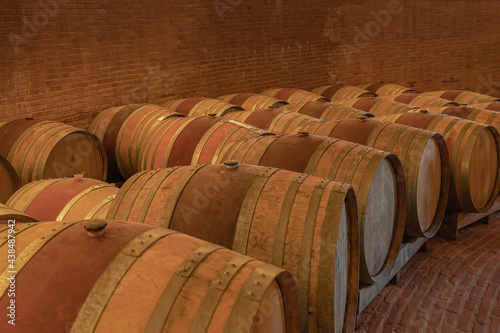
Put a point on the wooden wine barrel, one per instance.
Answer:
(293, 95)
(109, 276)
(305, 224)
(474, 158)
(8, 179)
(123, 129)
(377, 178)
(64, 199)
(419, 100)
(191, 140)
(494, 106)
(251, 101)
(326, 111)
(424, 156)
(201, 106)
(45, 149)
(463, 96)
(7, 213)
(387, 88)
(486, 117)
(340, 91)
(377, 106)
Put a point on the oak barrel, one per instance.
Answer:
(463, 96)
(7, 213)
(122, 129)
(419, 100)
(494, 106)
(252, 101)
(341, 91)
(482, 116)
(201, 106)
(377, 178)
(387, 88)
(474, 158)
(191, 140)
(305, 224)
(377, 106)
(8, 179)
(64, 199)
(326, 111)
(111, 276)
(45, 149)
(293, 95)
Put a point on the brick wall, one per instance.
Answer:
(68, 61)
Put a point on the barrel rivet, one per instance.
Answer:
(257, 282)
(250, 293)
(231, 164)
(95, 227)
(226, 272)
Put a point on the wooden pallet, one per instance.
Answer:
(455, 221)
(367, 293)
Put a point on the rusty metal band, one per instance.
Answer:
(134, 192)
(173, 199)
(492, 117)
(98, 298)
(245, 216)
(223, 149)
(332, 174)
(99, 206)
(38, 133)
(217, 288)
(113, 210)
(260, 152)
(147, 119)
(304, 271)
(352, 170)
(46, 149)
(250, 296)
(192, 112)
(172, 141)
(144, 151)
(375, 133)
(25, 256)
(276, 120)
(165, 173)
(284, 219)
(22, 137)
(203, 141)
(173, 105)
(77, 197)
(317, 154)
(164, 131)
(161, 312)
(437, 120)
(18, 228)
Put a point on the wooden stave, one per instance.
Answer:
(326, 111)
(46, 140)
(459, 200)
(377, 106)
(419, 100)
(255, 150)
(85, 312)
(293, 95)
(482, 116)
(463, 96)
(252, 101)
(9, 180)
(142, 211)
(201, 106)
(7, 213)
(38, 199)
(387, 88)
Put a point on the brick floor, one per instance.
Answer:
(453, 287)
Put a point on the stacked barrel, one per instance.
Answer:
(250, 212)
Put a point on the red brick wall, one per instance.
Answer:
(88, 55)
